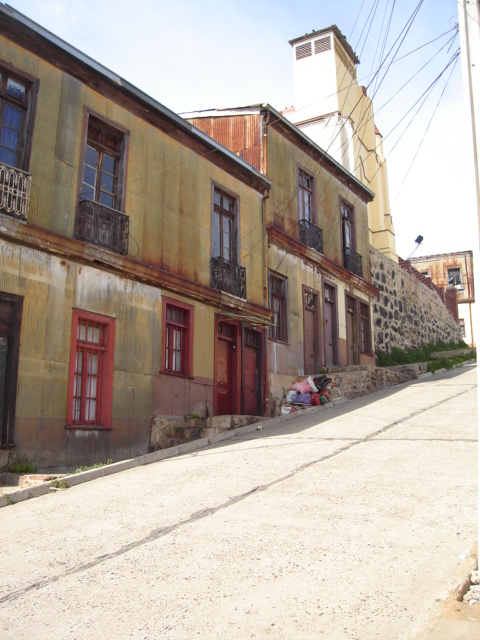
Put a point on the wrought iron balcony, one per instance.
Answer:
(103, 226)
(229, 277)
(14, 191)
(352, 261)
(311, 235)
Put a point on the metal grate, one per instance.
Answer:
(102, 226)
(324, 44)
(303, 50)
(353, 262)
(14, 191)
(229, 277)
(311, 235)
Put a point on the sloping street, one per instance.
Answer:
(349, 523)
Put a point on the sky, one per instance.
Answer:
(192, 55)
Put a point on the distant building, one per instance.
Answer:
(453, 270)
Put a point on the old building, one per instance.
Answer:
(336, 113)
(133, 277)
(453, 270)
(319, 284)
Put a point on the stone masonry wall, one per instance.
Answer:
(406, 313)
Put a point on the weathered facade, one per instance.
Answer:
(337, 114)
(453, 271)
(133, 278)
(317, 245)
(407, 312)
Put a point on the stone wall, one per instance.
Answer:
(406, 313)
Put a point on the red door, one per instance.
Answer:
(251, 371)
(224, 381)
(310, 331)
(329, 322)
(227, 393)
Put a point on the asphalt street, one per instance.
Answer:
(353, 523)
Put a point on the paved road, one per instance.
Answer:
(340, 524)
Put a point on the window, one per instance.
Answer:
(348, 236)
(224, 228)
(454, 277)
(16, 118)
(425, 273)
(461, 324)
(306, 196)
(91, 370)
(351, 260)
(365, 336)
(101, 199)
(278, 304)
(101, 169)
(14, 102)
(177, 338)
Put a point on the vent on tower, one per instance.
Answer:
(303, 50)
(323, 44)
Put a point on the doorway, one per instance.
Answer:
(311, 333)
(226, 375)
(351, 321)
(10, 324)
(330, 324)
(252, 372)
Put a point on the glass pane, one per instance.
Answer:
(15, 89)
(76, 410)
(167, 346)
(79, 362)
(216, 197)
(89, 176)
(81, 332)
(108, 163)
(227, 203)
(106, 199)
(90, 334)
(91, 156)
(12, 117)
(90, 406)
(8, 157)
(9, 138)
(216, 235)
(96, 335)
(106, 182)
(93, 364)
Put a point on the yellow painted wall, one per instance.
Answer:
(168, 187)
(282, 205)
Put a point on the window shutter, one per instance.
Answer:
(324, 44)
(303, 50)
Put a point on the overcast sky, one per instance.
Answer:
(193, 55)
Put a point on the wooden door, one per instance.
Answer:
(310, 331)
(252, 373)
(328, 333)
(351, 330)
(10, 321)
(226, 393)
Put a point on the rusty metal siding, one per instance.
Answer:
(241, 134)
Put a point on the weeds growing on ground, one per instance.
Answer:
(423, 354)
(94, 466)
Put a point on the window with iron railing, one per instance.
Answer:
(16, 120)
(100, 219)
(226, 274)
(311, 235)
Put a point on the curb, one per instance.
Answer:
(156, 456)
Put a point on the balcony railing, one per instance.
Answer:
(103, 226)
(14, 191)
(353, 262)
(229, 277)
(311, 235)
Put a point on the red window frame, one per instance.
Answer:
(365, 335)
(90, 382)
(177, 338)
